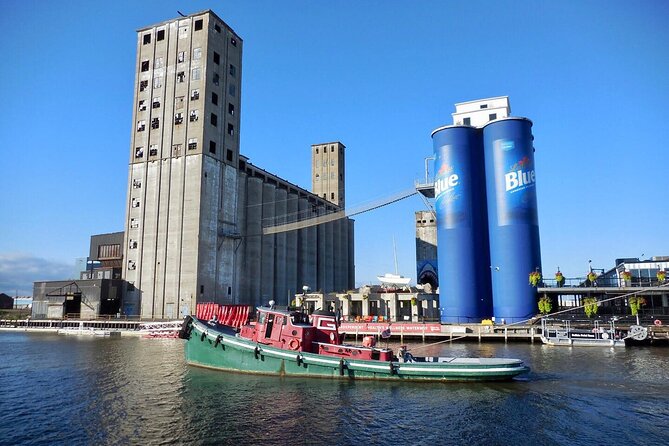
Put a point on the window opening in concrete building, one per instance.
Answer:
(195, 95)
(146, 39)
(145, 65)
(212, 147)
(233, 41)
(192, 144)
(155, 123)
(181, 76)
(196, 74)
(143, 85)
(228, 155)
(215, 79)
(141, 125)
(467, 121)
(217, 28)
(181, 57)
(157, 81)
(134, 223)
(155, 103)
(201, 289)
(484, 106)
(318, 177)
(198, 24)
(214, 98)
(131, 264)
(160, 35)
(193, 116)
(136, 183)
(231, 109)
(232, 90)
(153, 150)
(139, 152)
(158, 63)
(214, 120)
(142, 104)
(132, 244)
(332, 195)
(217, 58)
(233, 70)
(316, 150)
(197, 53)
(492, 116)
(178, 118)
(135, 202)
(231, 129)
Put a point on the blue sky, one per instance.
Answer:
(378, 76)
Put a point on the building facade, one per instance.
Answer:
(426, 250)
(328, 176)
(481, 111)
(196, 209)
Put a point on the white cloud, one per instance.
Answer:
(19, 271)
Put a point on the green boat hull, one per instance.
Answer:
(210, 348)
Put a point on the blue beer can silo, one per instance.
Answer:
(462, 232)
(512, 217)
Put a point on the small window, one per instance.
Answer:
(135, 202)
(131, 264)
(181, 57)
(233, 70)
(467, 121)
(155, 103)
(217, 58)
(231, 130)
(484, 106)
(195, 95)
(231, 109)
(142, 105)
(136, 184)
(157, 81)
(153, 150)
(318, 177)
(141, 125)
(145, 65)
(134, 223)
(158, 63)
(332, 149)
(160, 35)
(316, 150)
(132, 244)
(196, 74)
(217, 28)
(201, 289)
(228, 155)
(214, 98)
(192, 144)
(198, 24)
(212, 147)
(215, 79)
(181, 76)
(232, 90)
(139, 152)
(214, 120)
(155, 123)
(143, 85)
(332, 196)
(194, 115)
(197, 53)
(146, 39)
(178, 118)
(492, 116)
(233, 41)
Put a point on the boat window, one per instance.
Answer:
(261, 318)
(270, 324)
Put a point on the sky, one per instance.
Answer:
(378, 76)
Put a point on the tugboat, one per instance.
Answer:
(289, 342)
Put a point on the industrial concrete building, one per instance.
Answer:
(481, 111)
(196, 208)
(327, 172)
(426, 250)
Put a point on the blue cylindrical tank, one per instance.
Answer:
(462, 233)
(512, 217)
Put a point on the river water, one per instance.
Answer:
(68, 390)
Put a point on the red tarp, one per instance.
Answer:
(231, 315)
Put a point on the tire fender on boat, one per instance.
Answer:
(204, 335)
(341, 367)
(256, 352)
(657, 322)
(218, 341)
(294, 344)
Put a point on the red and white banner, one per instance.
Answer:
(396, 328)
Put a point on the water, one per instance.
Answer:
(67, 390)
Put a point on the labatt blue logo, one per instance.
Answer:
(446, 180)
(519, 177)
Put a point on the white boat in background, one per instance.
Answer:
(88, 332)
(396, 279)
(160, 329)
(562, 334)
